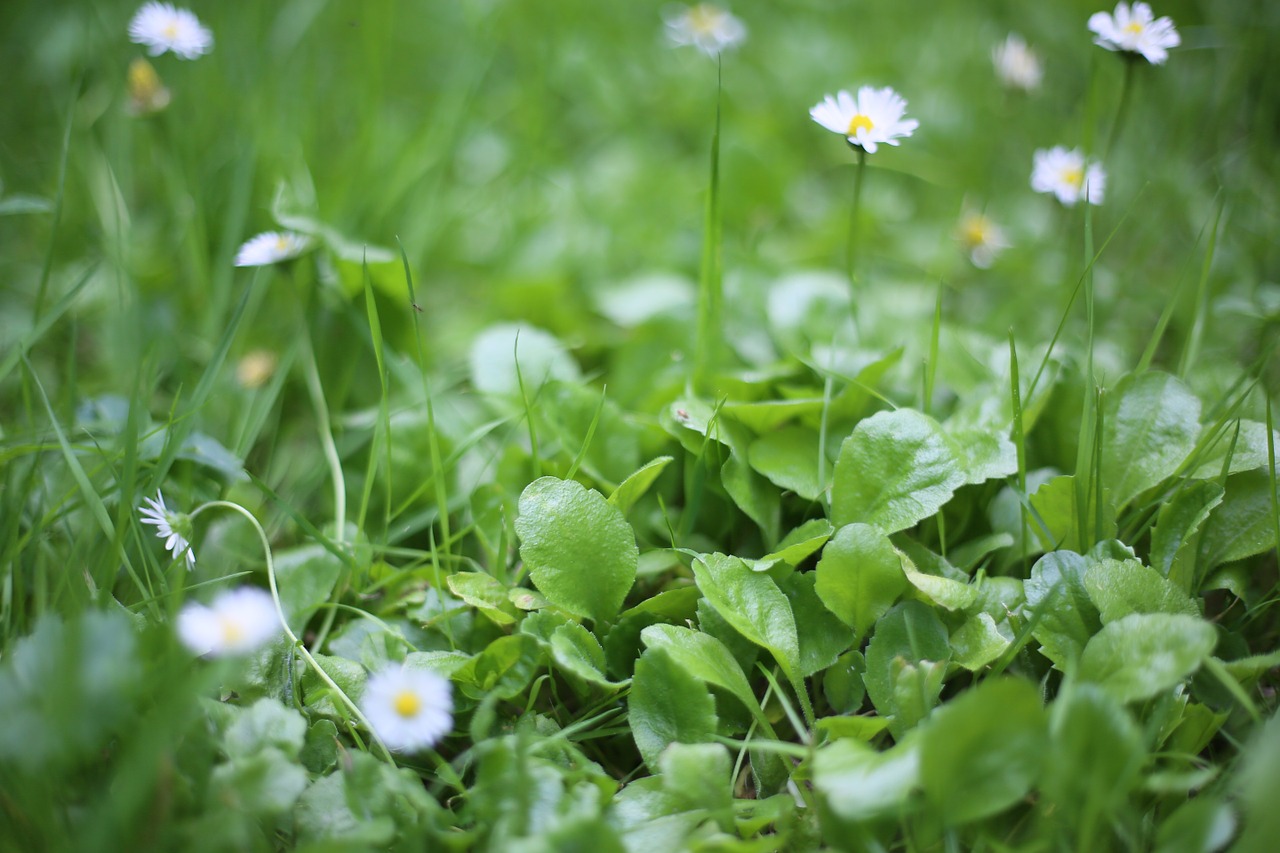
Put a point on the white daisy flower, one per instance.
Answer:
(982, 238)
(1068, 175)
(409, 709)
(1017, 65)
(173, 527)
(271, 247)
(162, 27)
(236, 622)
(708, 28)
(874, 116)
(1135, 30)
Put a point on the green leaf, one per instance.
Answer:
(822, 636)
(318, 697)
(910, 633)
(1242, 525)
(1150, 424)
(1068, 617)
(667, 705)
(858, 783)
(320, 751)
(622, 643)
(1173, 540)
(1095, 754)
(860, 576)
(978, 642)
(1121, 587)
(698, 775)
(789, 459)
(579, 549)
(483, 592)
(798, 545)
(265, 783)
(305, 577)
(634, 487)
(842, 684)
(752, 603)
(503, 669)
(945, 592)
(984, 454)
(703, 657)
(494, 353)
(1146, 653)
(576, 650)
(1249, 453)
(754, 495)
(266, 723)
(1055, 504)
(981, 752)
(894, 470)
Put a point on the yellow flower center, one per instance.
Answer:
(975, 230)
(282, 245)
(170, 30)
(1074, 177)
(407, 703)
(1133, 28)
(232, 631)
(859, 122)
(704, 19)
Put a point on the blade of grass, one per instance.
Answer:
(1191, 353)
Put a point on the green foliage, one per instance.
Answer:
(709, 547)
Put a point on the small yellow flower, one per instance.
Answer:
(982, 238)
(256, 368)
(147, 94)
(409, 709)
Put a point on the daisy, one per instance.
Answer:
(147, 94)
(236, 622)
(873, 117)
(162, 27)
(409, 709)
(271, 247)
(1017, 65)
(982, 238)
(1068, 175)
(708, 28)
(1135, 30)
(173, 527)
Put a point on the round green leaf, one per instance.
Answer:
(579, 549)
(1145, 653)
(981, 753)
(894, 470)
(1151, 421)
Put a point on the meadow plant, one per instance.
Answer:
(546, 492)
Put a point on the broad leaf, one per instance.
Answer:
(896, 469)
(579, 549)
(1121, 587)
(860, 576)
(752, 603)
(1146, 653)
(667, 705)
(981, 752)
(1057, 597)
(1150, 424)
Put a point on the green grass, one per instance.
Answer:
(706, 563)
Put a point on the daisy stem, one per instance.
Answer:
(710, 278)
(851, 256)
(284, 623)
(326, 437)
(1122, 109)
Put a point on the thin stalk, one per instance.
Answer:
(284, 623)
(1019, 441)
(1122, 109)
(316, 391)
(708, 345)
(851, 253)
